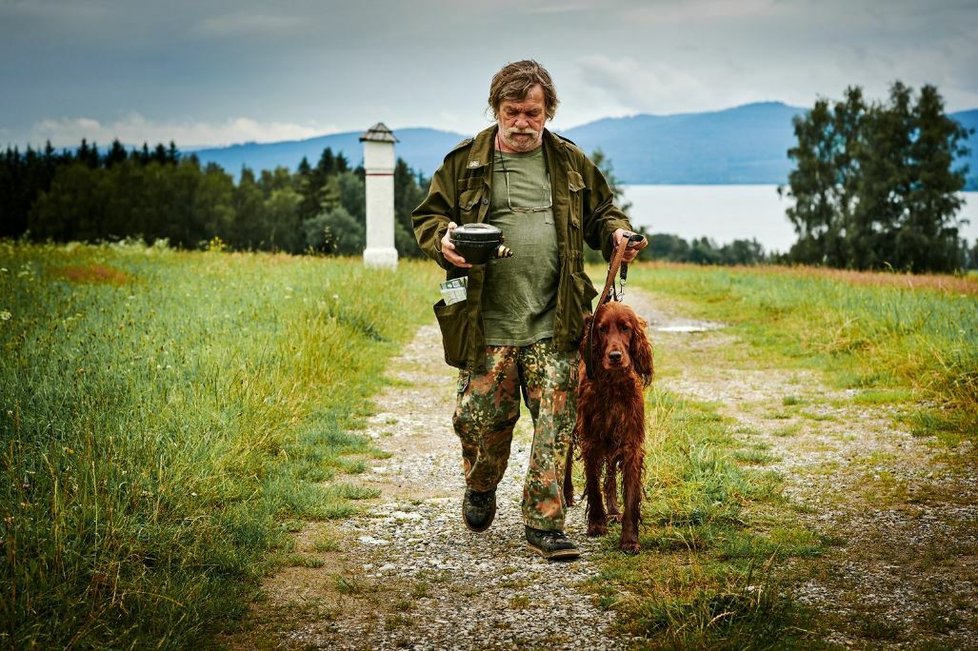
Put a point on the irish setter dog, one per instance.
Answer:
(610, 427)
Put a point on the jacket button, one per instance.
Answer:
(485, 201)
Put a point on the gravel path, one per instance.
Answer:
(902, 568)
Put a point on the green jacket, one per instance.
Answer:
(460, 192)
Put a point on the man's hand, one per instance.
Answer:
(448, 249)
(631, 252)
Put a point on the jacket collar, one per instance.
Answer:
(484, 145)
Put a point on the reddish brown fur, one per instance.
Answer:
(610, 427)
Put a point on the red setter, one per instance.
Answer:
(610, 427)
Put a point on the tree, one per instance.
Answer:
(929, 239)
(812, 185)
(603, 163)
(873, 184)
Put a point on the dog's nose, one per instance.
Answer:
(615, 356)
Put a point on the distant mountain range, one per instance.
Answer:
(742, 145)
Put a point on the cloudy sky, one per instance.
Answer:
(211, 72)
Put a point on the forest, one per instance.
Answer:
(87, 195)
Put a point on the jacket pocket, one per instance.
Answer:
(453, 321)
(578, 196)
(469, 203)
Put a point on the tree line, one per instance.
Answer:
(159, 194)
(874, 185)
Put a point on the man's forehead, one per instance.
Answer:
(533, 97)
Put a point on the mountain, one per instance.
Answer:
(746, 144)
(742, 145)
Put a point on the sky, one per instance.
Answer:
(217, 72)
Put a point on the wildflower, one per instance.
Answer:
(5, 315)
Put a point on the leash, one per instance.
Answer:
(610, 292)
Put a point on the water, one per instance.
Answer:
(725, 213)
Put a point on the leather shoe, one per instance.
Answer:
(478, 509)
(553, 545)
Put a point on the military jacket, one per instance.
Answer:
(584, 212)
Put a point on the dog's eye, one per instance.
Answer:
(625, 327)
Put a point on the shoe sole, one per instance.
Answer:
(558, 555)
(474, 529)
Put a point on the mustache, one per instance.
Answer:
(522, 132)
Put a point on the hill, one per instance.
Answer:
(742, 145)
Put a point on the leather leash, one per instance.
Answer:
(610, 292)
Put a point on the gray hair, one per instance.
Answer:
(515, 80)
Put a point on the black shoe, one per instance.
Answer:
(551, 544)
(478, 509)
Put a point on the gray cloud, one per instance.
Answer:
(242, 69)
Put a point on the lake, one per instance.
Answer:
(725, 213)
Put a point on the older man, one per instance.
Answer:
(518, 329)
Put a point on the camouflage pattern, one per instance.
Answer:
(488, 406)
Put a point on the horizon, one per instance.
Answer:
(191, 148)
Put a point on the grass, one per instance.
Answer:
(166, 419)
(893, 339)
(719, 531)
(705, 578)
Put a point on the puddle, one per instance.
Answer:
(702, 326)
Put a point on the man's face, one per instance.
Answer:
(521, 122)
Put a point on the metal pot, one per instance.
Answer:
(479, 243)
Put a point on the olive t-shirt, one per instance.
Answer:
(520, 293)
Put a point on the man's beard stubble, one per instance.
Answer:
(523, 144)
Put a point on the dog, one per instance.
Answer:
(610, 425)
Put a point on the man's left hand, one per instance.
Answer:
(631, 252)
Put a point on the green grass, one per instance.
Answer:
(705, 577)
(892, 344)
(167, 418)
(719, 537)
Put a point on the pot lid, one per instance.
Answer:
(477, 233)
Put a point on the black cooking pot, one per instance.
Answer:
(479, 243)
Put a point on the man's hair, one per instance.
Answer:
(515, 80)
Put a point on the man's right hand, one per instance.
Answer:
(448, 249)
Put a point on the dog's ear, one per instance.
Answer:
(641, 351)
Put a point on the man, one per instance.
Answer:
(518, 329)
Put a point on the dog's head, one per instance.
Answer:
(620, 343)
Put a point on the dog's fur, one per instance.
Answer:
(610, 427)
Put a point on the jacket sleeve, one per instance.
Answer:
(430, 219)
(601, 216)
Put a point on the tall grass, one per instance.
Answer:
(162, 414)
(866, 333)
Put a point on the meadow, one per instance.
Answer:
(729, 549)
(168, 418)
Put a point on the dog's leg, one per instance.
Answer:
(611, 490)
(597, 521)
(569, 477)
(632, 485)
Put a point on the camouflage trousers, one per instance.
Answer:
(488, 407)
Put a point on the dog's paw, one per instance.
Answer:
(597, 528)
(630, 548)
(569, 501)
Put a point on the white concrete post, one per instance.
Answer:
(378, 162)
